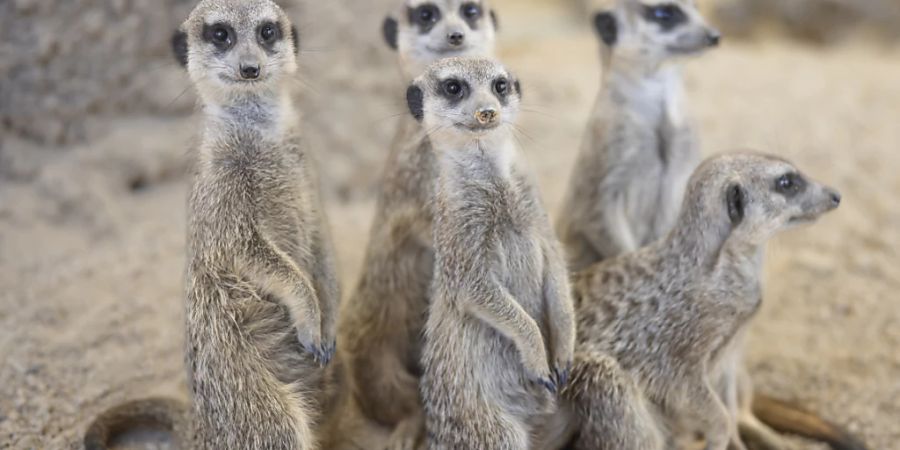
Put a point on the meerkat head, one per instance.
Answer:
(463, 100)
(752, 196)
(428, 30)
(234, 47)
(652, 31)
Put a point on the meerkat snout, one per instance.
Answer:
(713, 37)
(249, 71)
(486, 116)
(456, 38)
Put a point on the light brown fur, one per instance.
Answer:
(640, 148)
(500, 330)
(381, 324)
(661, 330)
(261, 288)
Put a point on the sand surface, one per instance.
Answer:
(92, 239)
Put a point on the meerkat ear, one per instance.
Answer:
(495, 20)
(389, 31)
(736, 199)
(415, 99)
(518, 87)
(295, 36)
(607, 27)
(180, 47)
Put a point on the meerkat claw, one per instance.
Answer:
(548, 383)
(562, 376)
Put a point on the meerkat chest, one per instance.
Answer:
(516, 240)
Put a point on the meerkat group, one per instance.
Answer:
(472, 325)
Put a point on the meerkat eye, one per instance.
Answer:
(667, 15)
(427, 14)
(453, 89)
(268, 33)
(471, 11)
(789, 184)
(220, 35)
(501, 87)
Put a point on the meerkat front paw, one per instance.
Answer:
(539, 372)
(312, 343)
(561, 372)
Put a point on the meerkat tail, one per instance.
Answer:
(790, 419)
(169, 415)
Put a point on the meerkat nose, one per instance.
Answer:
(486, 116)
(713, 38)
(249, 72)
(456, 38)
(835, 198)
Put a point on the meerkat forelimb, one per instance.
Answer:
(672, 315)
(261, 287)
(381, 324)
(639, 148)
(500, 333)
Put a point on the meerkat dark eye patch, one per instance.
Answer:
(389, 31)
(790, 184)
(667, 15)
(424, 16)
(501, 89)
(454, 90)
(268, 34)
(220, 35)
(471, 12)
(606, 26)
(180, 47)
(415, 100)
(736, 200)
(295, 36)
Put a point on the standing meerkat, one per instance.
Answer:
(261, 286)
(660, 330)
(640, 148)
(382, 321)
(500, 330)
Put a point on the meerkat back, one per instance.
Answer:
(639, 148)
(261, 293)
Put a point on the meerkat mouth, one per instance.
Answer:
(480, 129)
(242, 82)
(685, 50)
(804, 219)
(447, 50)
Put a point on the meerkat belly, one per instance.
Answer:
(465, 355)
(520, 268)
(646, 197)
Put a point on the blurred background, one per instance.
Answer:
(97, 123)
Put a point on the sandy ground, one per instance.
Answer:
(92, 240)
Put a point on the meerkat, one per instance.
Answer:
(261, 291)
(428, 30)
(381, 323)
(660, 330)
(640, 147)
(500, 329)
